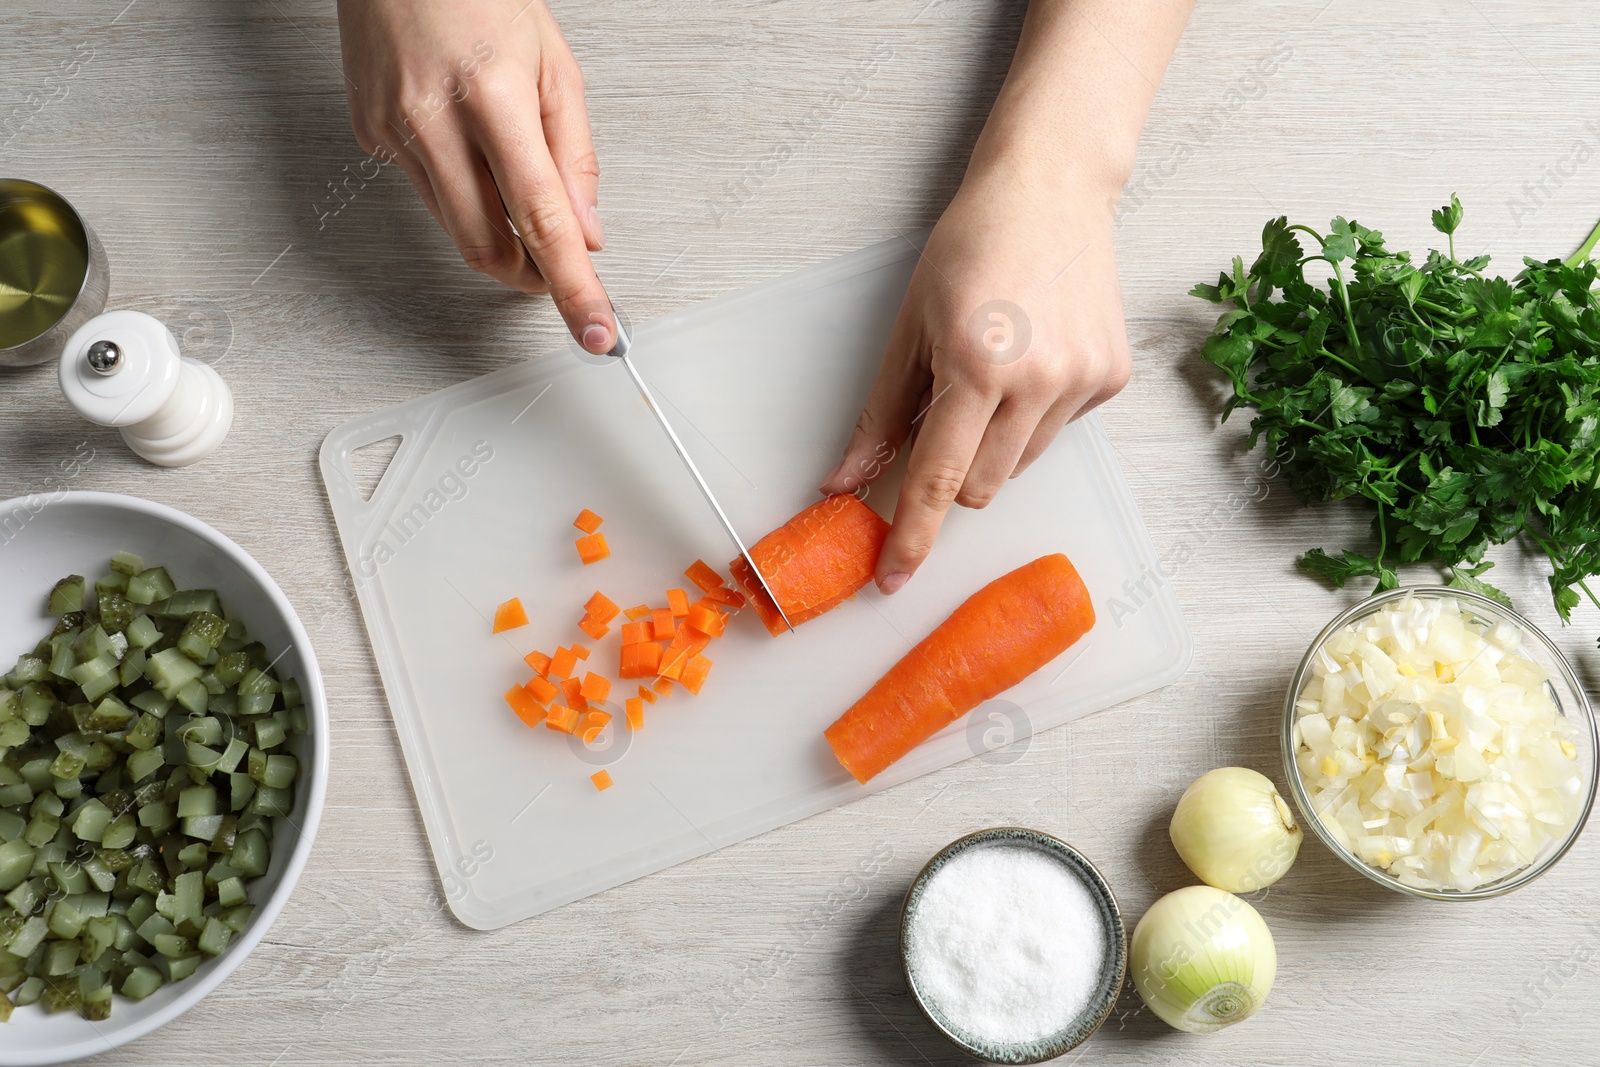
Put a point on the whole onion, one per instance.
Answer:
(1234, 831)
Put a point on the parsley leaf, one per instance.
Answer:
(1463, 410)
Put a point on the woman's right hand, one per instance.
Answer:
(481, 104)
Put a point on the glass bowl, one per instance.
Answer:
(1563, 687)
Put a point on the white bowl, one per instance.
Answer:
(47, 536)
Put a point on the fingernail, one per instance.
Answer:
(593, 215)
(892, 582)
(595, 339)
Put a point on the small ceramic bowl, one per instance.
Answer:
(1112, 971)
(49, 535)
(1565, 690)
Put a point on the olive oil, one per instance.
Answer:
(43, 262)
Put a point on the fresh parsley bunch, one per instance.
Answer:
(1465, 409)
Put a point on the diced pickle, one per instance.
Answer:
(149, 586)
(67, 595)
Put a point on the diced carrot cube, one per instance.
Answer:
(589, 734)
(596, 718)
(628, 662)
(677, 603)
(661, 623)
(596, 687)
(647, 695)
(562, 664)
(701, 574)
(522, 702)
(649, 658)
(538, 661)
(633, 708)
(510, 615)
(592, 725)
(662, 686)
(562, 719)
(694, 673)
(601, 607)
(731, 597)
(580, 651)
(587, 521)
(637, 612)
(601, 780)
(572, 692)
(593, 627)
(634, 633)
(672, 666)
(707, 619)
(543, 689)
(592, 548)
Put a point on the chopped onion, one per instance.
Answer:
(1432, 749)
(1202, 959)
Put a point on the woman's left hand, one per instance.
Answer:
(1011, 328)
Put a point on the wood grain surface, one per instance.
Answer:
(208, 144)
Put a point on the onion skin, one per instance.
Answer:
(1202, 959)
(1234, 831)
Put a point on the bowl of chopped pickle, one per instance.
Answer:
(163, 766)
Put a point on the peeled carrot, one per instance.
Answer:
(601, 780)
(701, 574)
(587, 521)
(601, 607)
(633, 708)
(538, 661)
(572, 693)
(640, 660)
(593, 627)
(688, 642)
(562, 718)
(731, 597)
(647, 694)
(694, 673)
(1000, 635)
(579, 651)
(563, 663)
(707, 619)
(677, 603)
(522, 702)
(815, 561)
(635, 632)
(592, 548)
(637, 612)
(662, 686)
(542, 689)
(662, 625)
(596, 687)
(510, 615)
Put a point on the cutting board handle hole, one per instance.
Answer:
(369, 463)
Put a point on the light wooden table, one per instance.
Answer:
(201, 140)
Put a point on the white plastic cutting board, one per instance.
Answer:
(764, 386)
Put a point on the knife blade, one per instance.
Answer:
(620, 351)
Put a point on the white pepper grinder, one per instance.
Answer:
(124, 369)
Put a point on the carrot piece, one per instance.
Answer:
(647, 695)
(814, 562)
(688, 642)
(662, 624)
(628, 662)
(527, 708)
(562, 664)
(543, 689)
(634, 633)
(662, 686)
(572, 692)
(587, 521)
(637, 612)
(592, 548)
(596, 687)
(538, 661)
(677, 603)
(510, 615)
(562, 719)
(1000, 635)
(593, 627)
(601, 607)
(694, 673)
(602, 780)
(633, 708)
(701, 574)
(595, 718)
(580, 651)
(707, 619)
(731, 597)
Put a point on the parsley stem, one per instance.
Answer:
(1582, 254)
